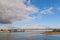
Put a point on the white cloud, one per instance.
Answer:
(13, 10)
(47, 11)
(32, 9)
(17, 10)
(36, 26)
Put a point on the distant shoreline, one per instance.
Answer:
(51, 32)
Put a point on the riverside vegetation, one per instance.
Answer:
(55, 31)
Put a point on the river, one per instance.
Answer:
(28, 36)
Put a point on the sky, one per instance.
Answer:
(20, 13)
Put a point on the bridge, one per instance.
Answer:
(30, 30)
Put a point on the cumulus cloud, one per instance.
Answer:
(14, 10)
(18, 10)
(47, 11)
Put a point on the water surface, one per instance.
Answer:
(28, 36)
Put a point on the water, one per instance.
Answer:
(28, 36)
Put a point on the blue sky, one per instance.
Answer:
(46, 12)
(52, 20)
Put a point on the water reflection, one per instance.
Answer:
(36, 36)
(28, 36)
(11, 36)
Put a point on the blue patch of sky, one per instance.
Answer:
(46, 3)
(50, 20)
